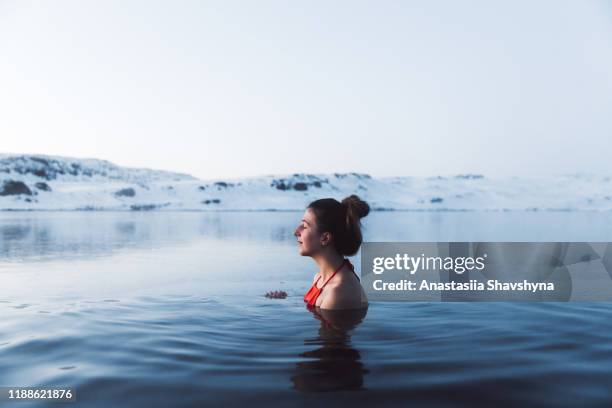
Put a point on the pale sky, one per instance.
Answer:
(246, 88)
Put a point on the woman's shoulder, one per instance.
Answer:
(346, 277)
(344, 293)
(341, 298)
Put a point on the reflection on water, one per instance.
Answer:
(71, 235)
(334, 364)
(31, 236)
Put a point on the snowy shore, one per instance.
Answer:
(38, 182)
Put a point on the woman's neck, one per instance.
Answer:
(328, 263)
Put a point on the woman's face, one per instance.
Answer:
(308, 236)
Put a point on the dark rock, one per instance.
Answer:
(12, 187)
(436, 200)
(42, 173)
(125, 192)
(284, 184)
(211, 201)
(42, 186)
(202, 188)
(299, 186)
(143, 207)
(279, 184)
(356, 175)
(469, 176)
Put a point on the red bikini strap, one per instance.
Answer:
(335, 272)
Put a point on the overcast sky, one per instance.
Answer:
(231, 89)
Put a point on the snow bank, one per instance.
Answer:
(38, 182)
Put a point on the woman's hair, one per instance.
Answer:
(342, 220)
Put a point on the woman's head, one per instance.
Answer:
(332, 225)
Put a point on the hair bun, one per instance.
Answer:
(356, 206)
(342, 220)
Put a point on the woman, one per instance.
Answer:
(329, 231)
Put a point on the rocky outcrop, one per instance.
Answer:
(299, 182)
(42, 186)
(12, 187)
(56, 167)
(125, 192)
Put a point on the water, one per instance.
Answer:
(167, 309)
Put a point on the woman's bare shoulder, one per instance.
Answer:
(339, 297)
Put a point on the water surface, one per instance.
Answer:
(167, 309)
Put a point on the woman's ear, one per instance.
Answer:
(325, 238)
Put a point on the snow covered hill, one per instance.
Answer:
(38, 182)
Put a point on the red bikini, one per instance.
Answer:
(313, 293)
